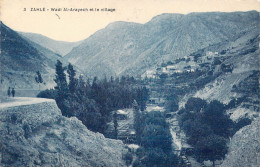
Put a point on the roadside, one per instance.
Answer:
(21, 101)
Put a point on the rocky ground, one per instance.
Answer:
(36, 134)
(244, 148)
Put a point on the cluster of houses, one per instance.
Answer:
(183, 65)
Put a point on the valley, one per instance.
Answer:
(180, 90)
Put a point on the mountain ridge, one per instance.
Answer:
(57, 46)
(132, 48)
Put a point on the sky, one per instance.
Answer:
(75, 26)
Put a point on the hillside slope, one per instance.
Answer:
(20, 60)
(244, 147)
(242, 56)
(36, 134)
(131, 48)
(60, 47)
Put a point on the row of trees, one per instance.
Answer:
(93, 102)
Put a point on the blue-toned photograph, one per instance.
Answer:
(120, 83)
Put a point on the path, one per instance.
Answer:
(20, 101)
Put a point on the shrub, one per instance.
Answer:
(195, 104)
(128, 158)
(242, 122)
(48, 93)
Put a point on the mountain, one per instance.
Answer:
(227, 71)
(20, 60)
(131, 48)
(242, 54)
(34, 133)
(60, 47)
(235, 78)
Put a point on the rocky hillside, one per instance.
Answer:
(131, 48)
(235, 76)
(235, 62)
(21, 59)
(36, 134)
(60, 47)
(244, 147)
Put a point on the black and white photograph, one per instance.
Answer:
(129, 83)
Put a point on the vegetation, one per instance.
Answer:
(48, 93)
(241, 123)
(115, 124)
(128, 158)
(138, 122)
(171, 102)
(207, 127)
(38, 78)
(156, 143)
(93, 103)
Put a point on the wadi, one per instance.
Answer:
(179, 90)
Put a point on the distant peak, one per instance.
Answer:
(166, 16)
(119, 24)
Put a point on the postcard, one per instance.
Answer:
(140, 83)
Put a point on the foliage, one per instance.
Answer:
(61, 89)
(241, 123)
(48, 93)
(38, 77)
(155, 157)
(141, 97)
(195, 104)
(207, 127)
(128, 158)
(172, 103)
(72, 81)
(156, 141)
(115, 124)
(163, 77)
(93, 103)
(235, 102)
(138, 122)
(156, 136)
(216, 61)
(211, 147)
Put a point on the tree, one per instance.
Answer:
(156, 136)
(155, 157)
(137, 122)
(115, 124)
(172, 103)
(62, 89)
(38, 78)
(195, 130)
(163, 77)
(195, 104)
(216, 118)
(207, 131)
(141, 97)
(72, 73)
(90, 115)
(156, 133)
(212, 147)
(128, 158)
